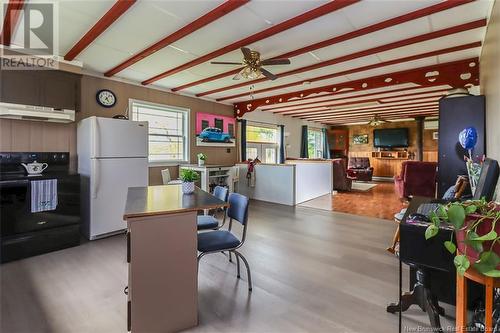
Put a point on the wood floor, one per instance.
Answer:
(380, 202)
(313, 271)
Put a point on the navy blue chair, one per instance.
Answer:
(224, 240)
(210, 222)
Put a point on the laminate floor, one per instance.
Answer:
(313, 271)
(380, 202)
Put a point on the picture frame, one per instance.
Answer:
(214, 130)
(360, 139)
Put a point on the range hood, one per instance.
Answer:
(36, 113)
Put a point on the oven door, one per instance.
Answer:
(16, 216)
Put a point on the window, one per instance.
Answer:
(168, 130)
(219, 123)
(262, 142)
(204, 124)
(230, 130)
(315, 143)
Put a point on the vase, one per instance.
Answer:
(187, 187)
(201, 162)
(481, 230)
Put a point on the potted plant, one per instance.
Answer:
(201, 159)
(477, 234)
(188, 178)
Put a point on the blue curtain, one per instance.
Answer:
(243, 123)
(282, 143)
(304, 152)
(326, 146)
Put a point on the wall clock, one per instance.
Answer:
(106, 98)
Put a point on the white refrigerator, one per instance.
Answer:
(112, 156)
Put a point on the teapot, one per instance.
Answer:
(35, 167)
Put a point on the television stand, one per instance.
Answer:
(388, 163)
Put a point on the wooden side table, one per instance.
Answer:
(489, 283)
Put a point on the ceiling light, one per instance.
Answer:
(376, 121)
(251, 73)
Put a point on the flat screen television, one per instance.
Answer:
(390, 138)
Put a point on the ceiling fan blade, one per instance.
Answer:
(268, 74)
(225, 63)
(271, 62)
(237, 76)
(247, 53)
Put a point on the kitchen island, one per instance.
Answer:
(161, 252)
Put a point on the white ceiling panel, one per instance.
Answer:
(461, 14)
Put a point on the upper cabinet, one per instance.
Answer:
(56, 89)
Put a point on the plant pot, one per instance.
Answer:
(481, 230)
(187, 187)
(201, 162)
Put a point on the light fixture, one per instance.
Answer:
(251, 72)
(376, 121)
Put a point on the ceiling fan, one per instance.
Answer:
(377, 121)
(253, 65)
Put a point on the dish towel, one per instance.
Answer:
(43, 195)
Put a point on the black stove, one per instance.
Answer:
(25, 233)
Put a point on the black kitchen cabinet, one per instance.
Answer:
(455, 114)
(51, 88)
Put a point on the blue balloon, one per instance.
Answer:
(468, 138)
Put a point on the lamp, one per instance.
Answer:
(251, 73)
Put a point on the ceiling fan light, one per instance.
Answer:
(251, 73)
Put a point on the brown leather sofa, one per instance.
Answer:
(359, 168)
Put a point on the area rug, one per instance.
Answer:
(358, 186)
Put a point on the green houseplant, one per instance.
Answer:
(201, 159)
(477, 234)
(188, 178)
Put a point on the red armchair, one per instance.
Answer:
(359, 168)
(417, 178)
(341, 181)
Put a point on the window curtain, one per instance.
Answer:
(282, 143)
(304, 152)
(326, 146)
(243, 123)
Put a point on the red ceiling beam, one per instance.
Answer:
(409, 106)
(403, 109)
(448, 73)
(427, 113)
(347, 36)
(367, 100)
(327, 8)
(10, 21)
(359, 69)
(307, 112)
(118, 9)
(216, 13)
(350, 112)
(398, 112)
(356, 55)
(340, 98)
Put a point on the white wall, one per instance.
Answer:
(490, 84)
(292, 128)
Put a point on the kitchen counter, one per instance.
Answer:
(162, 256)
(167, 199)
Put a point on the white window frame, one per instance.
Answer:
(317, 129)
(261, 146)
(186, 130)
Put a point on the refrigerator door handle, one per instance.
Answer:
(95, 135)
(96, 173)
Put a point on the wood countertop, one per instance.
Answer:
(167, 199)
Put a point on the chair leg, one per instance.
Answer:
(236, 253)
(230, 258)
(199, 258)
(238, 266)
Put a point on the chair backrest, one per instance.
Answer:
(340, 180)
(221, 193)
(488, 180)
(238, 208)
(358, 163)
(165, 176)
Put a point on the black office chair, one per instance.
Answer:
(210, 222)
(224, 240)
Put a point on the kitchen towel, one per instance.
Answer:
(43, 195)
